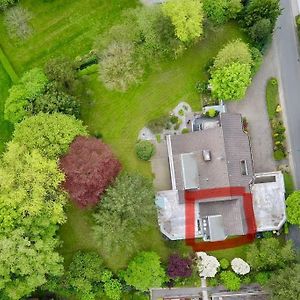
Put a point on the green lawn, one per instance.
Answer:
(5, 127)
(66, 27)
(120, 116)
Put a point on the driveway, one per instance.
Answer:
(253, 107)
(286, 43)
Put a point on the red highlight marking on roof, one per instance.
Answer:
(192, 196)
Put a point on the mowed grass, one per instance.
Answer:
(272, 97)
(120, 116)
(5, 127)
(66, 27)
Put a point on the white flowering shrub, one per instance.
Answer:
(239, 266)
(207, 265)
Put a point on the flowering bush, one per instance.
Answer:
(239, 266)
(207, 265)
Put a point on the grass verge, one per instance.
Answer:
(272, 97)
(289, 183)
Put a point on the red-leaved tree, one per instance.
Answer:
(90, 167)
(179, 267)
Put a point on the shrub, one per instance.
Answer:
(211, 113)
(176, 127)
(90, 167)
(185, 130)
(279, 155)
(224, 263)
(181, 112)
(230, 280)
(262, 278)
(144, 150)
(179, 267)
(158, 124)
(174, 119)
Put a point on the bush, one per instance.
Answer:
(176, 127)
(211, 113)
(157, 125)
(279, 155)
(179, 267)
(262, 278)
(174, 119)
(181, 112)
(224, 263)
(144, 150)
(185, 130)
(298, 25)
(230, 280)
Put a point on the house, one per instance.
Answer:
(200, 164)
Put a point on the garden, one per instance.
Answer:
(78, 82)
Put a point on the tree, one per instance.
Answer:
(284, 284)
(26, 262)
(224, 263)
(51, 134)
(239, 266)
(233, 52)
(54, 100)
(31, 208)
(83, 277)
(187, 18)
(31, 85)
(119, 67)
(145, 271)
(61, 70)
(90, 167)
(293, 208)
(31, 197)
(230, 82)
(269, 255)
(260, 31)
(220, 11)
(231, 281)
(261, 9)
(179, 267)
(207, 265)
(112, 286)
(144, 150)
(118, 215)
(16, 20)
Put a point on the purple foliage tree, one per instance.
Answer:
(179, 266)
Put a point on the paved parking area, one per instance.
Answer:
(253, 107)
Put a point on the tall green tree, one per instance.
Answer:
(187, 18)
(220, 11)
(284, 284)
(50, 134)
(234, 52)
(26, 262)
(31, 208)
(293, 208)
(269, 255)
(145, 271)
(31, 85)
(118, 215)
(231, 82)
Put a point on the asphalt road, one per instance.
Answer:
(286, 45)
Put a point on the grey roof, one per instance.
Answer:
(228, 146)
(215, 228)
(189, 171)
(231, 211)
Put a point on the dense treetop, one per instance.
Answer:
(90, 167)
(50, 134)
(187, 18)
